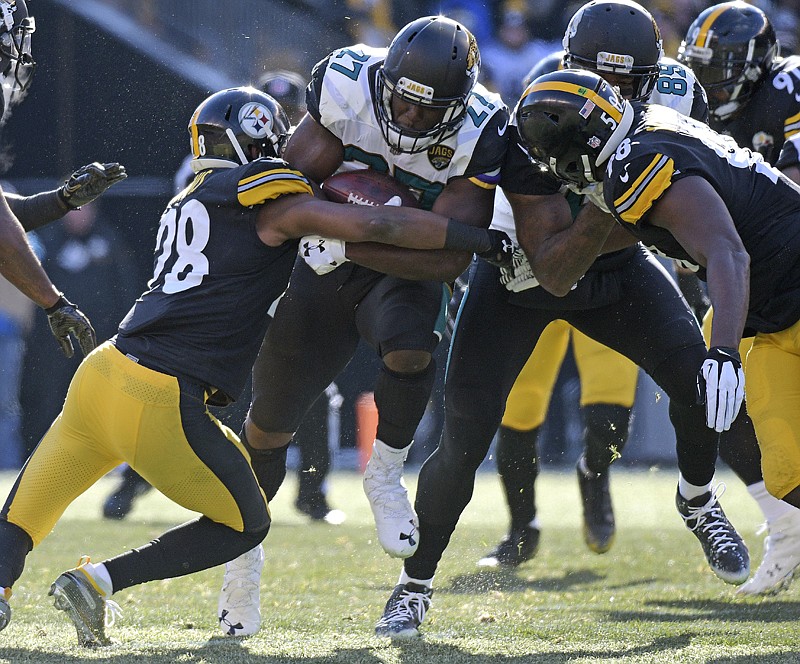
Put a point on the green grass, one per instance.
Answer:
(650, 599)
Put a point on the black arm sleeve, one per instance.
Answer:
(37, 210)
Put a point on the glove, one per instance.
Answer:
(66, 318)
(501, 253)
(89, 181)
(323, 254)
(519, 276)
(720, 386)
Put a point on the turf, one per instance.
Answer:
(650, 599)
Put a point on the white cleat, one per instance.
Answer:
(781, 557)
(239, 607)
(386, 491)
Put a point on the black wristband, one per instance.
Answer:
(461, 237)
(60, 302)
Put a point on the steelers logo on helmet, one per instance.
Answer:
(255, 120)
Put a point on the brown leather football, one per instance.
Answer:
(367, 187)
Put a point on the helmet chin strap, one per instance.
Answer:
(239, 152)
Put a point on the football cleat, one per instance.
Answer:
(781, 560)
(76, 593)
(404, 611)
(239, 606)
(724, 549)
(5, 608)
(598, 515)
(386, 491)
(520, 545)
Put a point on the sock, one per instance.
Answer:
(99, 575)
(7, 593)
(534, 523)
(405, 578)
(771, 507)
(389, 454)
(689, 491)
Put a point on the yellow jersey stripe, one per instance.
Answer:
(591, 95)
(646, 190)
(705, 30)
(269, 185)
(791, 126)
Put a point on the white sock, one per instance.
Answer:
(389, 454)
(771, 507)
(405, 578)
(101, 577)
(689, 491)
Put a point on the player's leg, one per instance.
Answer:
(403, 321)
(653, 326)
(491, 343)
(120, 502)
(739, 449)
(772, 369)
(309, 341)
(517, 450)
(608, 388)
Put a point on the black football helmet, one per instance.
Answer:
(572, 121)
(730, 47)
(615, 37)
(288, 88)
(235, 126)
(16, 62)
(548, 64)
(434, 62)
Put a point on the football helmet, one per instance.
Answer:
(288, 88)
(16, 62)
(551, 63)
(730, 47)
(572, 121)
(615, 37)
(433, 62)
(234, 126)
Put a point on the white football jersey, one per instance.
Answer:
(344, 87)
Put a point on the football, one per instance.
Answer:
(367, 187)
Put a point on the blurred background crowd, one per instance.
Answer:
(117, 81)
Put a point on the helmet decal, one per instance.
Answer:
(255, 120)
(473, 55)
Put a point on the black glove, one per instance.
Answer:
(720, 386)
(89, 181)
(501, 253)
(66, 318)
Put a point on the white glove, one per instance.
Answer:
(720, 385)
(323, 254)
(594, 192)
(519, 276)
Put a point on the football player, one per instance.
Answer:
(225, 250)
(620, 41)
(752, 96)
(697, 196)
(416, 112)
(18, 263)
(625, 301)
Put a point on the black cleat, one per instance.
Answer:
(119, 504)
(520, 545)
(404, 611)
(598, 515)
(725, 551)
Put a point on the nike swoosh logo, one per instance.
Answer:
(625, 177)
(502, 130)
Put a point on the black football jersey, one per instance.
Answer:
(664, 146)
(770, 121)
(204, 313)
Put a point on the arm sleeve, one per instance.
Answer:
(37, 210)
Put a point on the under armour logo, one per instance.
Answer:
(508, 246)
(231, 628)
(318, 246)
(410, 536)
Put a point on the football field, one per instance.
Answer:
(650, 599)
